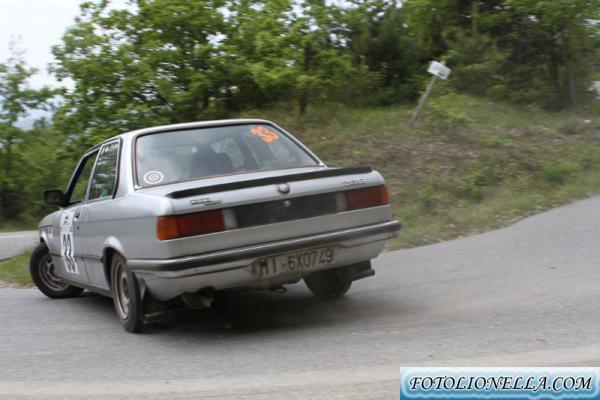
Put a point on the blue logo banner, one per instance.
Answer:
(437, 383)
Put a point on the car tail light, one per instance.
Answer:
(367, 197)
(178, 226)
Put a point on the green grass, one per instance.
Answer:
(11, 226)
(469, 164)
(15, 271)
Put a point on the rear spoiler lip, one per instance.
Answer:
(327, 173)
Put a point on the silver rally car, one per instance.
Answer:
(176, 213)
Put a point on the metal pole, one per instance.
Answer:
(416, 113)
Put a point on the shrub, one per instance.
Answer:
(559, 171)
(444, 119)
(472, 185)
(576, 126)
(589, 159)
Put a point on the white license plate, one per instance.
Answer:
(270, 267)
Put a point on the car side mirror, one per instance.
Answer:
(54, 197)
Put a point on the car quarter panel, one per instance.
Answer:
(126, 225)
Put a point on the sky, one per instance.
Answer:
(37, 25)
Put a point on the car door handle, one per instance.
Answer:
(77, 215)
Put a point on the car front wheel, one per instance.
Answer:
(126, 296)
(43, 274)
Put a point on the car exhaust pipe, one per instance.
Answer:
(199, 300)
(278, 289)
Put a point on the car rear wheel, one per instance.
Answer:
(44, 276)
(126, 296)
(329, 283)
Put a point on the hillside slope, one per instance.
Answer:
(469, 165)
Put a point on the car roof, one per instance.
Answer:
(187, 125)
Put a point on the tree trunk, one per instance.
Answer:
(5, 198)
(572, 86)
(303, 102)
(474, 16)
(306, 68)
(554, 72)
(570, 71)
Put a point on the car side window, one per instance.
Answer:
(79, 187)
(104, 177)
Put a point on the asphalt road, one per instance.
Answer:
(527, 295)
(14, 243)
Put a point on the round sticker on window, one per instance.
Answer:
(153, 177)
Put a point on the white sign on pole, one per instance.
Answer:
(440, 70)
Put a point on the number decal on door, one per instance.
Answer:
(67, 244)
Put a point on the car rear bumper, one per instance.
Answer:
(167, 278)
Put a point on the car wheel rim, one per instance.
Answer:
(48, 274)
(123, 292)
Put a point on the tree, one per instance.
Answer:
(529, 51)
(165, 61)
(16, 100)
(152, 64)
(380, 39)
(556, 34)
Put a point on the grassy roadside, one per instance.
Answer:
(15, 271)
(6, 226)
(468, 166)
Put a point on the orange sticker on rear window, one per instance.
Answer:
(265, 133)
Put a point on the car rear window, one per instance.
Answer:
(173, 156)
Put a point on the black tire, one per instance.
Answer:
(126, 295)
(328, 283)
(41, 269)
